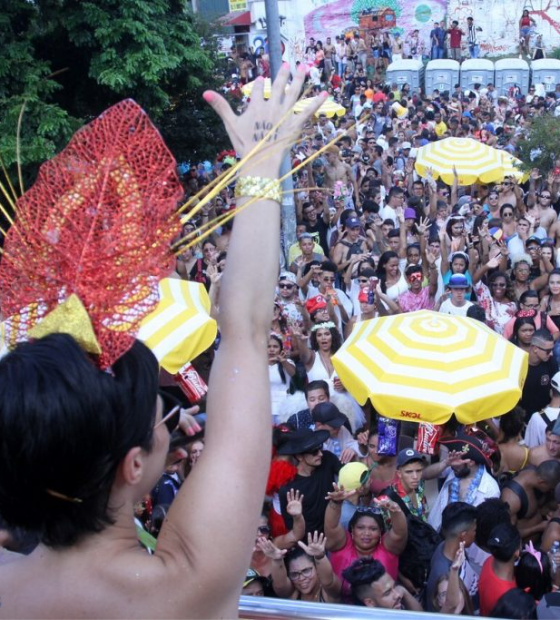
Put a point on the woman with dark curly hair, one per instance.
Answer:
(325, 340)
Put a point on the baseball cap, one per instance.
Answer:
(346, 153)
(409, 214)
(406, 145)
(351, 475)
(532, 239)
(328, 413)
(288, 275)
(458, 280)
(555, 381)
(405, 456)
(353, 222)
(253, 575)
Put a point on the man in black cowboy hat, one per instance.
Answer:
(469, 480)
(316, 472)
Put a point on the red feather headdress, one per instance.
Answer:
(93, 236)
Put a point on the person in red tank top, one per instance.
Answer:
(497, 576)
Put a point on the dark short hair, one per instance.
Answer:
(329, 266)
(361, 574)
(319, 384)
(359, 514)
(65, 426)
(504, 541)
(542, 335)
(457, 517)
(514, 604)
(490, 513)
(549, 472)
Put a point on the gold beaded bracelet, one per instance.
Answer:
(259, 187)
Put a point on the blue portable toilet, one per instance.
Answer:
(545, 71)
(406, 71)
(476, 71)
(511, 72)
(441, 75)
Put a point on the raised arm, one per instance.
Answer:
(283, 587)
(396, 537)
(239, 374)
(335, 533)
(330, 583)
(294, 508)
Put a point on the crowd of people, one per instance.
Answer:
(346, 516)
(374, 50)
(374, 238)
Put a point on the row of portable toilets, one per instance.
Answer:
(444, 74)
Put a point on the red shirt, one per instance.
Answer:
(491, 588)
(379, 96)
(455, 35)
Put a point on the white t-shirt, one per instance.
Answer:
(535, 434)
(388, 213)
(448, 308)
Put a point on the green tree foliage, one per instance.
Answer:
(362, 5)
(539, 149)
(71, 59)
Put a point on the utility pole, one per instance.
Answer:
(288, 211)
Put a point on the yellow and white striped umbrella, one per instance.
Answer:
(471, 159)
(247, 89)
(509, 168)
(180, 328)
(330, 108)
(423, 366)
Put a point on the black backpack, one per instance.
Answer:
(415, 560)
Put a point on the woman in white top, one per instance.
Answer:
(392, 281)
(325, 341)
(280, 370)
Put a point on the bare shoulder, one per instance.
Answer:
(95, 586)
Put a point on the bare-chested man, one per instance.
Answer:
(527, 493)
(543, 209)
(549, 450)
(337, 170)
(81, 446)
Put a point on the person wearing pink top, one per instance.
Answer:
(366, 536)
(418, 297)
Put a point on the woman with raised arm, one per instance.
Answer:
(304, 573)
(366, 536)
(89, 444)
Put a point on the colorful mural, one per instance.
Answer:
(499, 20)
(332, 18)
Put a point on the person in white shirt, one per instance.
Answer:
(456, 305)
(535, 434)
(341, 443)
(469, 481)
(394, 202)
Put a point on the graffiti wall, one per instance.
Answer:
(499, 20)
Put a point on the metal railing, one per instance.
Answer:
(259, 607)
